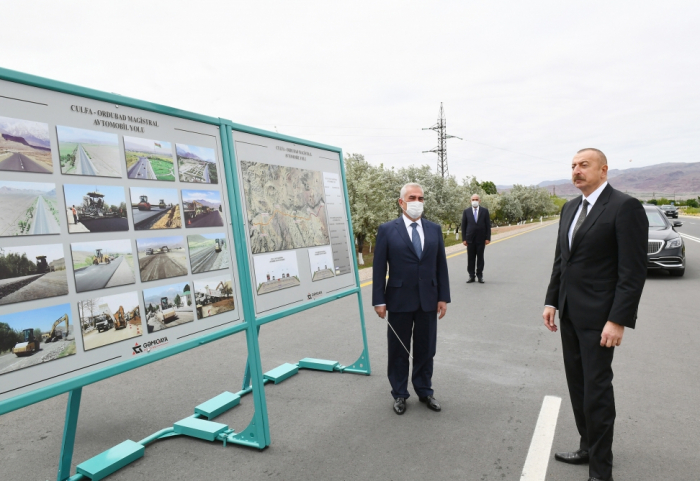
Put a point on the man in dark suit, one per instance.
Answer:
(416, 293)
(600, 266)
(476, 235)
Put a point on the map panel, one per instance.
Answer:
(286, 207)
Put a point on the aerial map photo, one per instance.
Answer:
(25, 146)
(285, 206)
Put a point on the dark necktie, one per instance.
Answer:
(415, 239)
(581, 218)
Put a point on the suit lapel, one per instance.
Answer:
(568, 218)
(596, 210)
(403, 233)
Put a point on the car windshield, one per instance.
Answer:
(667, 207)
(656, 219)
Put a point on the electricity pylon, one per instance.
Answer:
(441, 149)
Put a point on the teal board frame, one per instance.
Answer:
(257, 434)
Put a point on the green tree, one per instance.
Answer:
(8, 337)
(489, 187)
(37, 333)
(692, 203)
(653, 202)
(177, 300)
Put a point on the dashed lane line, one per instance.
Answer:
(535, 468)
(490, 244)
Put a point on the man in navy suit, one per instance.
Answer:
(476, 235)
(415, 296)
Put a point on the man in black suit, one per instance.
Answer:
(600, 266)
(416, 293)
(476, 235)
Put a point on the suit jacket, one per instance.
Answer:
(601, 277)
(414, 283)
(476, 231)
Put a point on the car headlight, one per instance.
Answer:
(674, 243)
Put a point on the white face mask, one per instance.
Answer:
(475, 203)
(414, 209)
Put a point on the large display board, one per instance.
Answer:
(295, 220)
(115, 236)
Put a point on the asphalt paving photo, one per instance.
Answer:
(210, 219)
(99, 276)
(496, 365)
(162, 265)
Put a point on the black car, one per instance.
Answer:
(666, 249)
(670, 211)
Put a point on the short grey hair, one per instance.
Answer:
(410, 184)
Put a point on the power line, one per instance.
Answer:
(441, 149)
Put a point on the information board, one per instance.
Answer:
(296, 221)
(115, 235)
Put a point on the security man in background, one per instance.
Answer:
(476, 235)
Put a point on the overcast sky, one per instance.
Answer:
(526, 84)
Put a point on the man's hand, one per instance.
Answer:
(464, 243)
(381, 311)
(487, 242)
(442, 309)
(612, 334)
(548, 316)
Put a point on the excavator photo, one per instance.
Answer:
(29, 346)
(100, 258)
(120, 319)
(57, 334)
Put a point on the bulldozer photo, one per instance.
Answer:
(57, 334)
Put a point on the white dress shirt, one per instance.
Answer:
(591, 202)
(408, 223)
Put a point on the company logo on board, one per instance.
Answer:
(147, 346)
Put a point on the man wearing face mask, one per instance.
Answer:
(415, 295)
(476, 235)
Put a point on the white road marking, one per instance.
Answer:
(538, 455)
(690, 237)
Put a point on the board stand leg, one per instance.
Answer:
(362, 365)
(69, 429)
(246, 373)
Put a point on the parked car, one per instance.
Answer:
(149, 251)
(670, 211)
(666, 249)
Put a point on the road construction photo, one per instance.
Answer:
(34, 337)
(109, 319)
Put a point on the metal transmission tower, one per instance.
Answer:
(441, 149)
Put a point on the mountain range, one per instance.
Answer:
(29, 141)
(654, 180)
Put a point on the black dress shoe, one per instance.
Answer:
(598, 479)
(577, 457)
(471, 279)
(481, 280)
(431, 402)
(399, 405)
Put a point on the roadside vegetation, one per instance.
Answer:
(373, 192)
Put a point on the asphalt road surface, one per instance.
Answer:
(22, 163)
(144, 215)
(44, 221)
(204, 259)
(10, 362)
(160, 266)
(105, 224)
(210, 219)
(96, 276)
(495, 363)
(141, 170)
(84, 164)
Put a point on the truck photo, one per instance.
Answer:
(104, 322)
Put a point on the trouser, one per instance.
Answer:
(589, 376)
(475, 254)
(423, 326)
